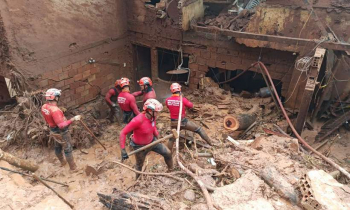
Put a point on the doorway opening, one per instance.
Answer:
(142, 62)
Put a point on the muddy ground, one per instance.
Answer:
(17, 192)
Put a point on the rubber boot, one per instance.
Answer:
(170, 144)
(169, 162)
(204, 136)
(71, 163)
(61, 159)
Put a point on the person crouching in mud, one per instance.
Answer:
(145, 132)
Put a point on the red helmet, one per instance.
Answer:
(52, 93)
(175, 87)
(124, 82)
(145, 81)
(117, 83)
(153, 105)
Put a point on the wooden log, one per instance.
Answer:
(121, 200)
(241, 121)
(24, 164)
(276, 180)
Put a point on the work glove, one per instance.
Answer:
(114, 105)
(124, 155)
(77, 118)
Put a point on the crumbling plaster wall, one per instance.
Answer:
(51, 42)
(293, 19)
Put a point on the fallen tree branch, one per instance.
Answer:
(196, 178)
(18, 162)
(46, 185)
(149, 173)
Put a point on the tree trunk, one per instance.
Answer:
(24, 164)
(241, 121)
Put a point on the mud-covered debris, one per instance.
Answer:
(190, 195)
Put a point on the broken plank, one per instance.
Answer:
(310, 86)
(331, 125)
(272, 38)
(273, 132)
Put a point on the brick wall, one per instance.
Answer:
(280, 64)
(81, 82)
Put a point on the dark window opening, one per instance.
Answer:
(250, 81)
(142, 62)
(152, 2)
(170, 60)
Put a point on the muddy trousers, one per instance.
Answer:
(158, 148)
(128, 116)
(190, 126)
(114, 114)
(64, 143)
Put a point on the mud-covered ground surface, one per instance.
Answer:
(234, 170)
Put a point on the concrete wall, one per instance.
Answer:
(51, 42)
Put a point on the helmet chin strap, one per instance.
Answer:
(152, 115)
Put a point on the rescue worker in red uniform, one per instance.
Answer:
(58, 125)
(112, 99)
(147, 90)
(127, 101)
(145, 132)
(173, 104)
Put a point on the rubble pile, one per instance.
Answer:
(229, 21)
(263, 172)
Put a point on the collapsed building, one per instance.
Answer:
(210, 38)
(82, 47)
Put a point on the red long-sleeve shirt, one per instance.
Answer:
(148, 95)
(144, 130)
(173, 104)
(54, 116)
(111, 92)
(127, 102)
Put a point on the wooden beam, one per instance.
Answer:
(309, 89)
(272, 38)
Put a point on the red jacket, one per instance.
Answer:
(173, 104)
(127, 102)
(148, 95)
(54, 116)
(111, 92)
(144, 130)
